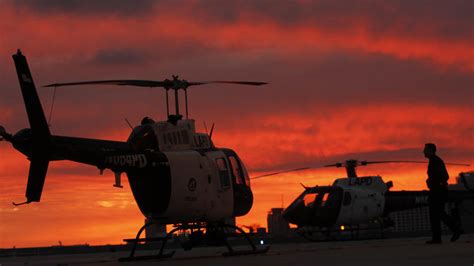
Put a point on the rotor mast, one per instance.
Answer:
(176, 85)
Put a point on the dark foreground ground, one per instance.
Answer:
(400, 252)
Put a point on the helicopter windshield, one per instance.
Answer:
(143, 138)
(317, 206)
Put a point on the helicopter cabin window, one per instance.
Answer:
(223, 172)
(347, 198)
(309, 199)
(144, 138)
(325, 199)
(246, 176)
(236, 170)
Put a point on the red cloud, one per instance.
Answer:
(84, 37)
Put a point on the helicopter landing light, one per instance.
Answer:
(342, 228)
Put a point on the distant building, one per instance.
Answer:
(277, 226)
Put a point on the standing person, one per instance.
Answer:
(438, 194)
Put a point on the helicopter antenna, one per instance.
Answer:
(212, 131)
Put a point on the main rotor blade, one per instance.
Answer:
(359, 163)
(170, 84)
(120, 82)
(282, 172)
(363, 163)
(251, 83)
(425, 162)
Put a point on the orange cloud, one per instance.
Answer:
(278, 140)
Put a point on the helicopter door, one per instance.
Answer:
(243, 197)
(223, 169)
(345, 216)
(219, 178)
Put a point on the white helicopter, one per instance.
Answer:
(176, 174)
(353, 200)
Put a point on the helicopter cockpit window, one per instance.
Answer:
(347, 198)
(309, 199)
(325, 199)
(246, 176)
(143, 138)
(328, 204)
(236, 171)
(223, 172)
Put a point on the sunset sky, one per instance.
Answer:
(369, 80)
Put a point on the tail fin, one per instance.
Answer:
(38, 123)
(41, 135)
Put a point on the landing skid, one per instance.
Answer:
(326, 234)
(210, 228)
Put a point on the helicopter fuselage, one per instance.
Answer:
(176, 174)
(356, 200)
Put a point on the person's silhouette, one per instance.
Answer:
(438, 193)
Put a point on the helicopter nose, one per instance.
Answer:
(295, 214)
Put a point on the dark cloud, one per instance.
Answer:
(433, 18)
(450, 19)
(330, 81)
(336, 80)
(88, 7)
(115, 56)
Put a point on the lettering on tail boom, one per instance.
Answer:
(132, 160)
